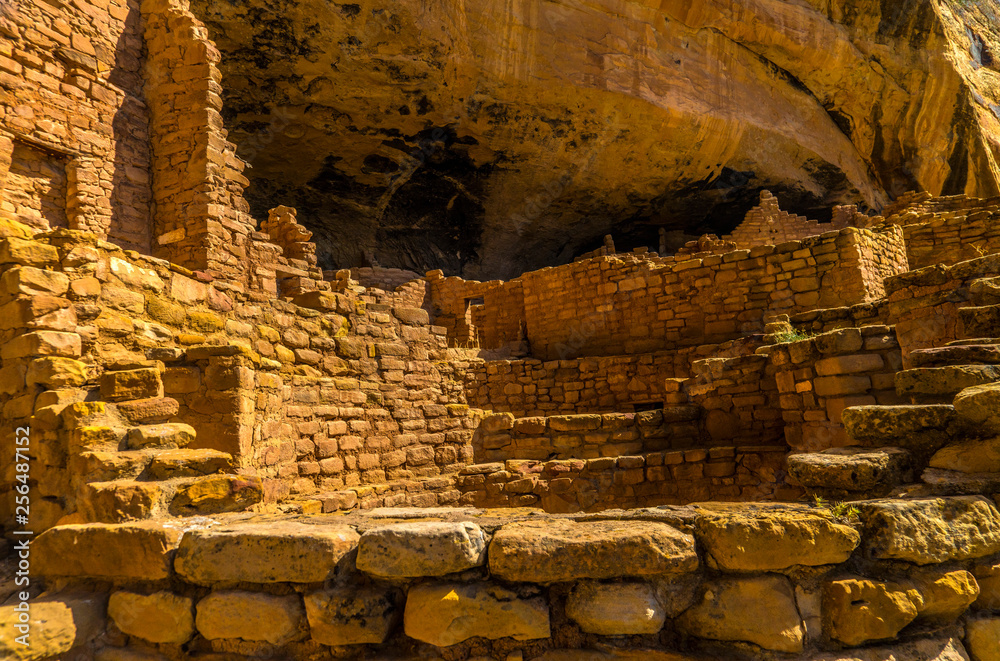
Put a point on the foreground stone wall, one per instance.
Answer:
(710, 582)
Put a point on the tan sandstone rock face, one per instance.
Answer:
(445, 614)
(161, 617)
(249, 616)
(932, 530)
(553, 551)
(773, 540)
(948, 649)
(502, 127)
(856, 611)
(760, 610)
(347, 616)
(425, 548)
(615, 609)
(263, 553)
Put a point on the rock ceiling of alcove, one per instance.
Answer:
(487, 137)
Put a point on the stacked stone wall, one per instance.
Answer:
(818, 377)
(738, 398)
(923, 304)
(605, 306)
(740, 582)
(350, 391)
(73, 118)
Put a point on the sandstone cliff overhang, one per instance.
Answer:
(487, 139)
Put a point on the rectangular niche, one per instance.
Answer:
(35, 188)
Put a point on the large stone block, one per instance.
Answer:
(560, 550)
(929, 531)
(759, 610)
(445, 614)
(27, 253)
(113, 551)
(55, 372)
(970, 456)
(46, 630)
(160, 617)
(857, 610)
(353, 616)
(250, 616)
(980, 406)
(131, 384)
(165, 435)
(982, 637)
(421, 548)
(770, 540)
(927, 649)
(42, 343)
(264, 553)
(852, 468)
(946, 594)
(216, 494)
(615, 609)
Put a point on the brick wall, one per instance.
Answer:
(659, 478)
(72, 111)
(585, 436)
(738, 398)
(608, 306)
(596, 384)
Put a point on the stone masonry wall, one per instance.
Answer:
(820, 376)
(739, 582)
(353, 390)
(585, 436)
(72, 109)
(738, 398)
(200, 219)
(603, 306)
(768, 225)
(923, 304)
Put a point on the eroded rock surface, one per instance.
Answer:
(471, 136)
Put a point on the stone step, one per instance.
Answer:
(101, 466)
(970, 354)
(168, 464)
(148, 411)
(977, 340)
(985, 291)
(135, 500)
(853, 470)
(980, 455)
(943, 383)
(215, 494)
(940, 482)
(165, 435)
(980, 321)
(922, 429)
